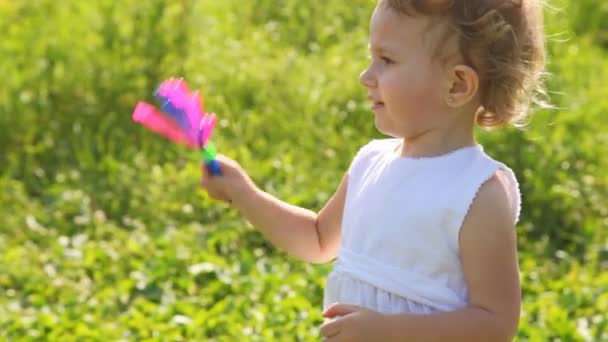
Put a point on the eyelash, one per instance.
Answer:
(386, 60)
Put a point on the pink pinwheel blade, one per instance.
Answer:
(147, 115)
(177, 91)
(207, 126)
(194, 110)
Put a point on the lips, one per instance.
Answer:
(374, 102)
(375, 105)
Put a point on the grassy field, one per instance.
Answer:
(104, 234)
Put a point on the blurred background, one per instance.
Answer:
(104, 234)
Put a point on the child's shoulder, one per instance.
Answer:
(499, 184)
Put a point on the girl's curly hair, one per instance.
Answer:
(503, 41)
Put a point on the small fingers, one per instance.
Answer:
(218, 196)
(212, 191)
(206, 181)
(331, 328)
(339, 309)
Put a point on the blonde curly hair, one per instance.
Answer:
(503, 41)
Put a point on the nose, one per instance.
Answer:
(367, 78)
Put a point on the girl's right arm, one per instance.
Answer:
(302, 233)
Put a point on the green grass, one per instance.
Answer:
(105, 235)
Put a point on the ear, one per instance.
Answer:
(462, 85)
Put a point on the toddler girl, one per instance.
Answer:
(422, 224)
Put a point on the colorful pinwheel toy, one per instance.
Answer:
(181, 119)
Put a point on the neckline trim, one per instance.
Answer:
(395, 155)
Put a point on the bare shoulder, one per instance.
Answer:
(492, 209)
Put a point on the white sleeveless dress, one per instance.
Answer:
(399, 250)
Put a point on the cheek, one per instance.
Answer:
(413, 91)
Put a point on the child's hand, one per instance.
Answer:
(232, 183)
(350, 323)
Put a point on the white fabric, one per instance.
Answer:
(399, 250)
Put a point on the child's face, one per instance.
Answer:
(402, 81)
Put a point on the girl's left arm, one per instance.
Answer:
(488, 251)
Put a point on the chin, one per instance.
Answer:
(383, 128)
(389, 133)
(380, 124)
